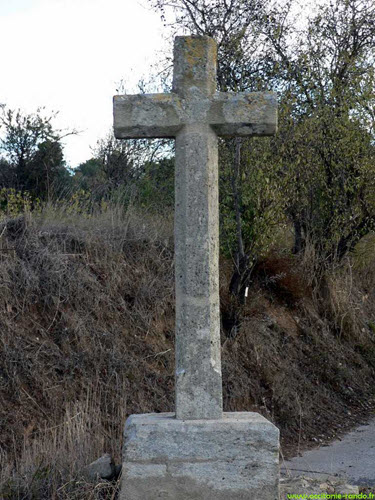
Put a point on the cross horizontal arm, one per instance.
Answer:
(146, 116)
(243, 114)
(163, 115)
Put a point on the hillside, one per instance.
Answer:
(87, 331)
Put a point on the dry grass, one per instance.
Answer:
(86, 338)
(306, 363)
(51, 464)
(82, 329)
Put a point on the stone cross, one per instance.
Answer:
(195, 115)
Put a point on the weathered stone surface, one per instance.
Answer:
(243, 114)
(235, 457)
(194, 66)
(148, 115)
(198, 364)
(164, 115)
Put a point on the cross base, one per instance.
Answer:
(235, 457)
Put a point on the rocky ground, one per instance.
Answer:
(329, 485)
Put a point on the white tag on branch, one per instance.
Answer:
(246, 291)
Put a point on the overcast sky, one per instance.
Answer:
(69, 55)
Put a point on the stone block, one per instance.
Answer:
(232, 458)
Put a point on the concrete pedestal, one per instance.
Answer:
(233, 458)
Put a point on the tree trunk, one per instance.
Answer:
(298, 237)
(241, 259)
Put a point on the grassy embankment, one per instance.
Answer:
(86, 338)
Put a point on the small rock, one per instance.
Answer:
(347, 489)
(324, 486)
(102, 468)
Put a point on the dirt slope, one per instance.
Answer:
(86, 328)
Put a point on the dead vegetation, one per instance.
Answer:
(86, 338)
(306, 362)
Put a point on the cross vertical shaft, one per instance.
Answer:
(198, 365)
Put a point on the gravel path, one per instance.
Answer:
(352, 457)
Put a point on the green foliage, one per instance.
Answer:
(14, 203)
(261, 202)
(326, 138)
(319, 169)
(33, 157)
(81, 202)
(46, 174)
(87, 175)
(156, 186)
(328, 161)
(7, 173)
(89, 169)
(23, 134)
(128, 172)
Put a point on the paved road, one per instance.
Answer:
(352, 457)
